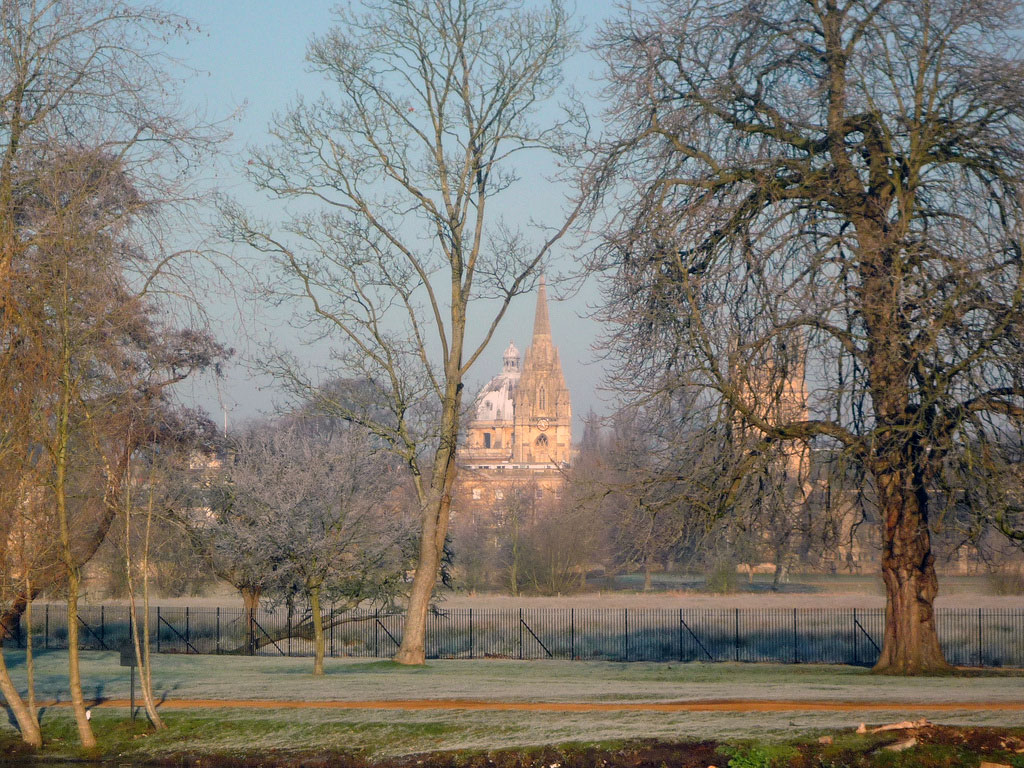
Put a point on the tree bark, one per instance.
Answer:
(318, 630)
(30, 660)
(27, 723)
(414, 634)
(250, 603)
(85, 733)
(62, 439)
(911, 642)
(437, 510)
(141, 655)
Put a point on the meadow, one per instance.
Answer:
(382, 732)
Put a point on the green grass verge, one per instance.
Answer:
(381, 734)
(236, 737)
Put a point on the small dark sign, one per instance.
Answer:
(128, 655)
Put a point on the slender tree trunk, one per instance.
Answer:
(144, 658)
(74, 578)
(911, 642)
(436, 515)
(318, 630)
(250, 603)
(85, 733)
(30, 661)
(27, 723)
(141, 657)
(146, 667)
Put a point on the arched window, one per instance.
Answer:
(542, 441)
(542, 399)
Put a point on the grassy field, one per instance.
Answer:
(383, 732)
(687, 591)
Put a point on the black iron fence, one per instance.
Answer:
(981, 637)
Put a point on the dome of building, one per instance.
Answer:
(496, 400)
(510, 360)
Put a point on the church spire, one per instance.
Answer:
(541, 324)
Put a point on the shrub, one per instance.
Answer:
(1006, 581)
(722, 577)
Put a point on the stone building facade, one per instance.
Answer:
(520, 433)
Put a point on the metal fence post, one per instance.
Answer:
(187, 633)
(853, 630)
(796, 658)
(572, 634)
(158, 629)
(979, 638)
(520, 633)
(625, 641)
(218, 629)
(736, 636)
(471, 633)
(680, 634)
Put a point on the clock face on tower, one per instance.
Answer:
(542, 424)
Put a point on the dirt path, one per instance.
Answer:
(709, 705)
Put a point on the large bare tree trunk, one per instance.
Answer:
(436, 515)
(911, 642)
(414, 635)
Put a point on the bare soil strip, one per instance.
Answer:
(707, 705)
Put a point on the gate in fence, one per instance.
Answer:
(978, 637)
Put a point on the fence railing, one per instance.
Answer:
(982, 637)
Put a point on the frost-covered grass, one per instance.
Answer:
(387, 732)
(377, 733)
(234, 677)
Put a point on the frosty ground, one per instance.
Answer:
(388, 731)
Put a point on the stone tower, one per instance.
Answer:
(543, 412)
(520, 433)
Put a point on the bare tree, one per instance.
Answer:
(110, 360)
(848, 175)
(312, 497)
(94, 163)
(404, 262)
(231, 533)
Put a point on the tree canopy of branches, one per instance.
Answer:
(307, 504)
(402, 164)
(843, 177)
(95, 168)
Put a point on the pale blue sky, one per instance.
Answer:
(250, 57)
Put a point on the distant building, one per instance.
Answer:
(520, 435)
